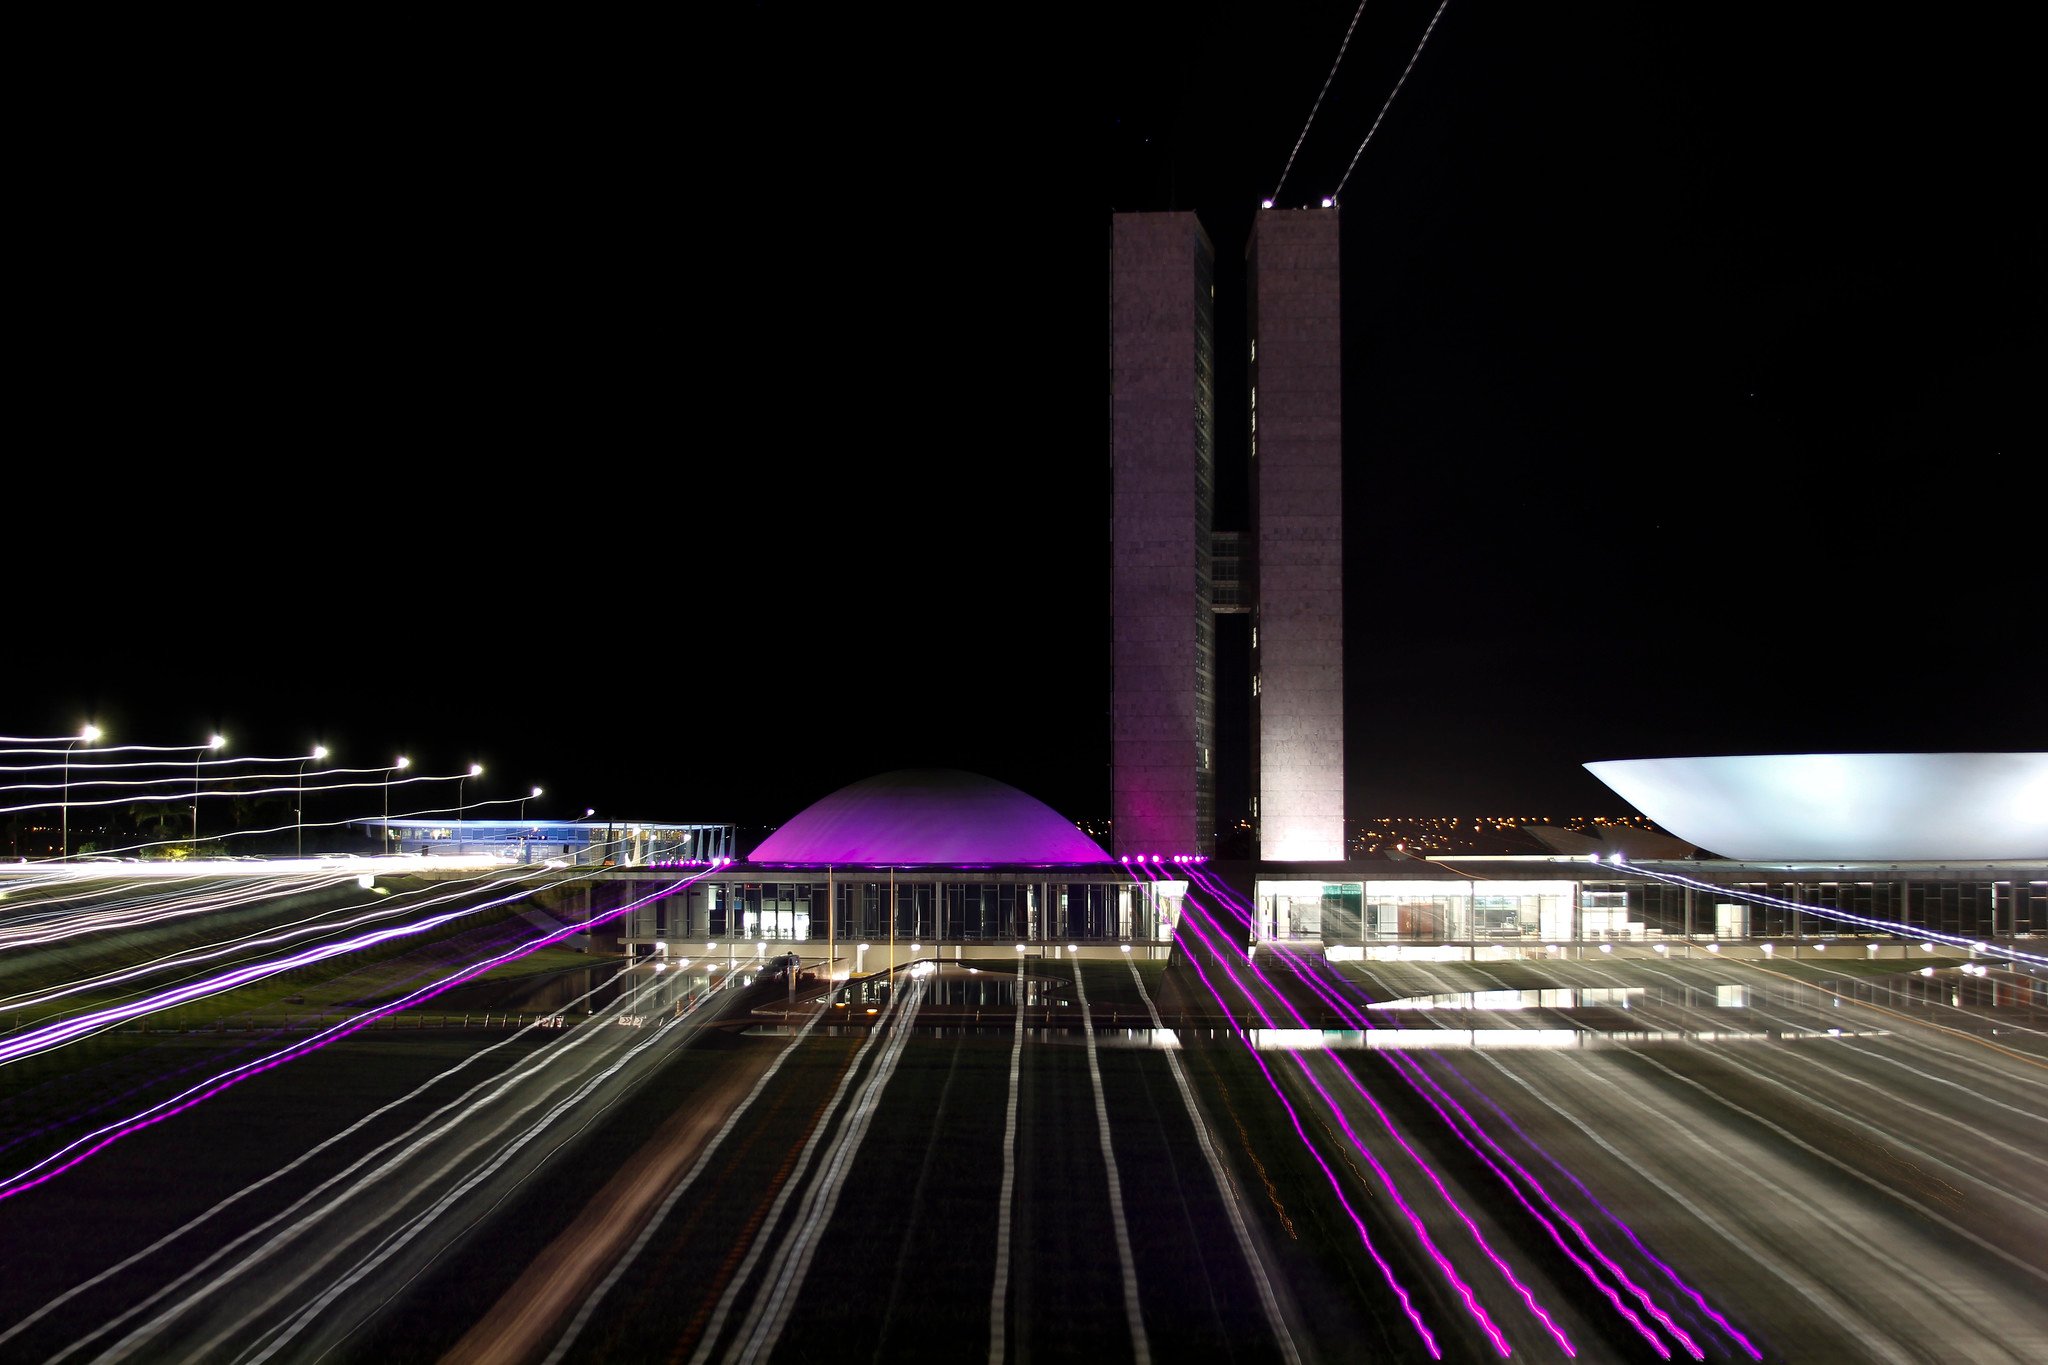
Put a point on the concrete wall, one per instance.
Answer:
(1159, 532)
(1297, 481)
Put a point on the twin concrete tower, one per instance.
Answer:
(1173, 572)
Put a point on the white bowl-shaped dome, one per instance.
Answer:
(1845, 807)
(929, 816)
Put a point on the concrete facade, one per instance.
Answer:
(1162, 365)
(1297, 455)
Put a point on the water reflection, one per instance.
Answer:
(1914, 991)
(584, 990)
(1561, 998)
(968, 988)
(1349, 1040)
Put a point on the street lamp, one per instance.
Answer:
(402, 764)
(461, 807)
(85, 736)
(214, 745)
(319, 752)
(522, 804)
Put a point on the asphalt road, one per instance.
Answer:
(1595, 1157)
(1849, 1179)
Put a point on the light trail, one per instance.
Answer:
(70, 1156)
(1443, 1264)
(1226, 1190)
(1891, 1100)
(798, 1168)
(270, 936)
(632, 1254)
(1881, 1186)
(1852, 1324)
(1314, 108)
(999, 1293)
(85, 755)
(281, 1335)
(135, 912)
(37, 1040)
(459, 1103)
(80, 763)
(1897, 928)
(85, 868)
(1418, 1077)
(1386, 1121)
(769, 1314)
(183, 796)
(1140, 1347)
(1387, 1271)
(1412, 58)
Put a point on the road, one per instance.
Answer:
(1853, 1179)
(1597, 1156)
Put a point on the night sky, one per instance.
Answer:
(695, 419)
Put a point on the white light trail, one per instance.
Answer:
(184, 794)
(79, 764)
(1895, 927)
(1303, 137)
(449, 1119)
(682, 1187)
(1338, 193)
(459, 1103)
(56, 1163)
(798, 1169)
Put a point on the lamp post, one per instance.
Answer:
(85, 736)
(214, 745)
(319, 752)
(461, 806)
(522, 804)
(402, 764)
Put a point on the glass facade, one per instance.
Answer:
(963, 907)
(944, 911)
(1415, 911)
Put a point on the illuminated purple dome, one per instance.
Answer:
(933, 815)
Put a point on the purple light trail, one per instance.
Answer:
(28, 1178)
(1528, 1297)
(1443, 1264)
(1401, 1293)
(1417, 1076)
